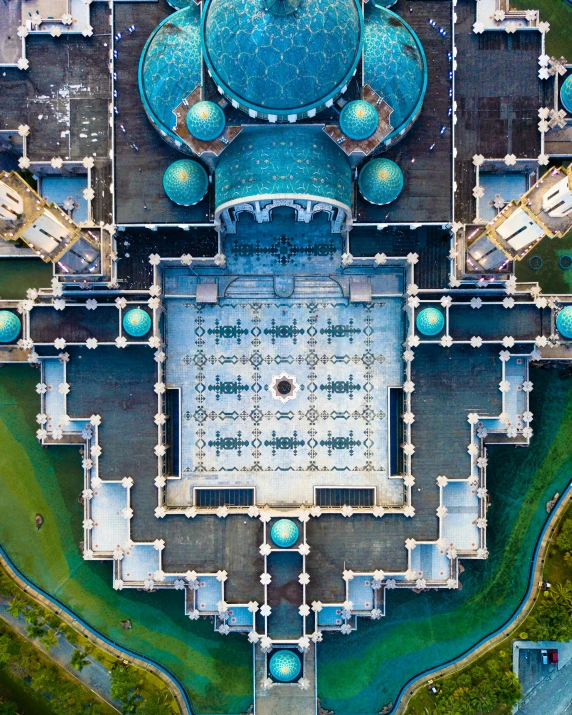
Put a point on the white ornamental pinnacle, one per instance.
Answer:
(118, 584)
(186, 259)
(441, 543)
(478, 28)
(409, 511)
(541, 302)
(179, 584)
(408, 386)
(412, 258)
(154, 259)
(409, 480)
(409, 356)
(451, 554)
(541, 341)
(154, 304)
(149, 584)
(154, 341)
(472, 449)
(220, 260)
(121, 303)
(412, 289)
(87, 524)
(527, 386)
(508, 303)
(33, 357)
(160, 419)
(118, 554)
(504, 418)
(410, 544)
(57, 433)
(504, 356)
(542, 160)
(378, 575)
(57, 162)
(446, 341)
(222, 606)
(375, 614)
(472, 418)
(265, 549)
(442, 481)
(160, 450)
(191, 576)
(304, 549)
(253, 606)
(391, 583)
(380, 259)
(481, 523)
(265, 610)
(159, 544)
(194, 615)
(304, 578)
(347, 511)
(478, 160)
(266, 684)
(317, 606)
(91, 343)
(527, 416)
(316, 511)
(23, 161)
(378, 511)
(265, 515)
(266, 643)
(304, 610)
(91, 304)
(508, 341)
(304, 643)
(222, 512)
(127, 513)
(41, 434)
(317, 637)
(504, 386)
(190, 512)
(478, 192)
(482, 553)
(482, 462)
(348, 575)
(527, 432)
(413, 341)
(221, 576)
(303, 683)
(421, 583)
(41, 419)
(413, 301)
(155, 290)
(347, 259)
(253, 637)
(476, 303)
(408, 449)
(346, 629)
(159, 388)
(253, 511)
(96, 482)
(441, 512)
(59, 343)
(160, 512)
(408, 418)
(446, 301)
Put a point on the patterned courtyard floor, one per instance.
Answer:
(343, 357)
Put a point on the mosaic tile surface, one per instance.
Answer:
(171, 64)
(282, 63)
(274, 161)
(394, 63)
(225, 357)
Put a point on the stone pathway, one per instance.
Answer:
(95, 676)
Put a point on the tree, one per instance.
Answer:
(158, 703)
(49, 639)
(564, 539)
(16, 607)
(125, 681)
(35, 629)
(79, 659)
(5, 643)
(7, 707)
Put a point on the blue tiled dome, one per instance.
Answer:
(284, 533)
(185, 182)
(136, 322)
(285, 665)
(380, 181)
(430, 321)
(205, 121)
(10, 326)
(566, 93)
(394, 64)
(282, 63)
(564, 322)
(358, 119)
(170, 68)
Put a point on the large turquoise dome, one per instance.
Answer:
(272, 61)
(136, 322)
(380, 181)
(284, 533)
(564, 322)
(205, 121)
(566, 93)
(10, 326)
(185, 182)
(359, 119)
(285, 666)
(430, 321)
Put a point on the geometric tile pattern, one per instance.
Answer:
(226, 356)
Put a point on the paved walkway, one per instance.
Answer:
(95, 676)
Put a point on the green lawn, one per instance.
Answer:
(552, 279)
(19, 274)
(216, 670)
(559, 14)
(363, 672)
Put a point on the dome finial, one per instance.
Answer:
(281, 8)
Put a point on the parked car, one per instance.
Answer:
(544, 656)
(553, 656)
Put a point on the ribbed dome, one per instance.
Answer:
(564, 322)
(284, 533)
(380, 181)
(358, 119)
(10, 326)
(430, 321)
(285, 665)
(185, 182)
(136, 322)
(281, 62)
(205, 121)
(566, 93)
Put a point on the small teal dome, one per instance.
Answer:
(564, 322)
(284, 533)
(358, 119)
(205, 121)
(285, 665)
(10, 326)
(380, 181)
(136, 322)
(566, 93)
(185, 182)
(430, 321)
